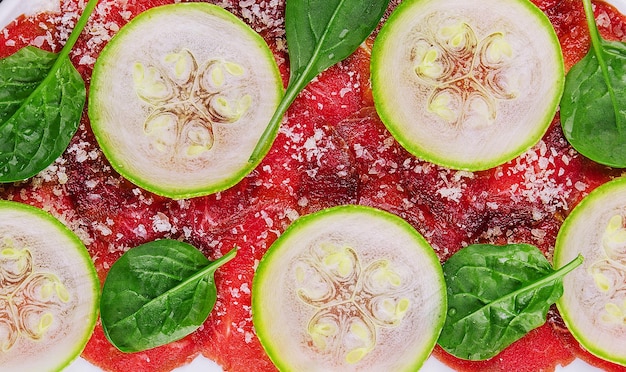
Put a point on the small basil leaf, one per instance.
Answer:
(20, 74)
(593, 114)
(157, 293)
(497, 294)
(41, 103)
(320, 33)
(39, 131)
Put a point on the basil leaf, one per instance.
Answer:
(593, 105)
(41, 102)
(497, 294)
(157, 293)
(320, 33)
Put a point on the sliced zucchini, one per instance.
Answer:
(467, 84)
(48, 291)
(349, 288)
(593, 304)
(180, 96)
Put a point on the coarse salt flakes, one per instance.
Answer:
(451, 193)
(303, 201)
(361, 152)
(538, 233)
(38, 41)
(102, 229)
(161, 223)
(544, 163)
(291, 214)
(125, 14)
(62, 177)
(492, 205)
(603, 20)
(86, 60)
(234, 292)
(580, 186)
(310, 144)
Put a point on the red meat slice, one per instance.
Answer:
(583, 354)
(100, 352)
(332, 149)
(308, 168)
(539, 350)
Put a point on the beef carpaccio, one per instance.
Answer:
(332, 149)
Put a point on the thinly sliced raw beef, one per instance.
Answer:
(540, 350)
(332, 149)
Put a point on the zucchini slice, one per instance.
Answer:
(180, 96)
(48, 291)
(349, 288)
(593, 304)
(467, 84)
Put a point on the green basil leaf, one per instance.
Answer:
(39, 130)
(320, 33)
(157, 293)
(593, 105)
(20, 74)
(41, 102)
(497, 294)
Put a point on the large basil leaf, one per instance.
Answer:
(593, 106)
(497, 294)
(320, 33)
(41, 102)
(157, 293)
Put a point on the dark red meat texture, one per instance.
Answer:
(332, 149)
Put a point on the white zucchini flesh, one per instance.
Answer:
(180, 97)
(49, 291)
(349, 288)
(593, 304)
(467, 84)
